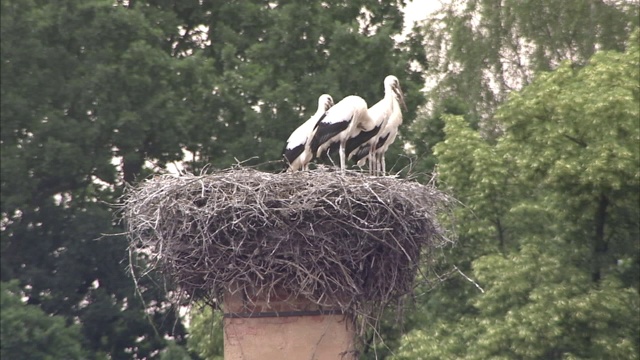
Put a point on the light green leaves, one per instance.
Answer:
(549, 222)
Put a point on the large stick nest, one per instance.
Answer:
(344, 240)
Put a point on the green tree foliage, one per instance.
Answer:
(483, 49)
(29, 333)
(82, 84)
(96, 94)
(271, 61)
(551, 224)
(174, 351)
(206, 333)
(479, 51)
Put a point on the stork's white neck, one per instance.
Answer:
(391, 97)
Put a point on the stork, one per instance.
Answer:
(344, 120)
(387, 111)
(296, 153)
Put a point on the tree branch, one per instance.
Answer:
(576, 140)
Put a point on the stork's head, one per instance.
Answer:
(325, 101)
(392, 84)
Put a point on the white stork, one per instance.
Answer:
(388, 113)
(344, 120)
(296, 152)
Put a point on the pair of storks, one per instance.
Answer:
(357, 132)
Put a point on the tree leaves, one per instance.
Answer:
(556, 193)
(481, 50)
(31, 334)
(98, 94)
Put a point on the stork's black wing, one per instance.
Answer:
(382, 140)
(362, 137)
(325, 131)
(363, 151)
(291, 154)
(360, 153)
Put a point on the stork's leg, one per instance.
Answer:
(373, 163)
(329, 156)
(374, 160)
(383, 166)
(343, 164)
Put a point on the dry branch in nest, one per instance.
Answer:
(343, 240)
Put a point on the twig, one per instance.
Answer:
(469, 279)
(341, 239)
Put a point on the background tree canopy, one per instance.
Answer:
(552, 224)
(533, 122)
